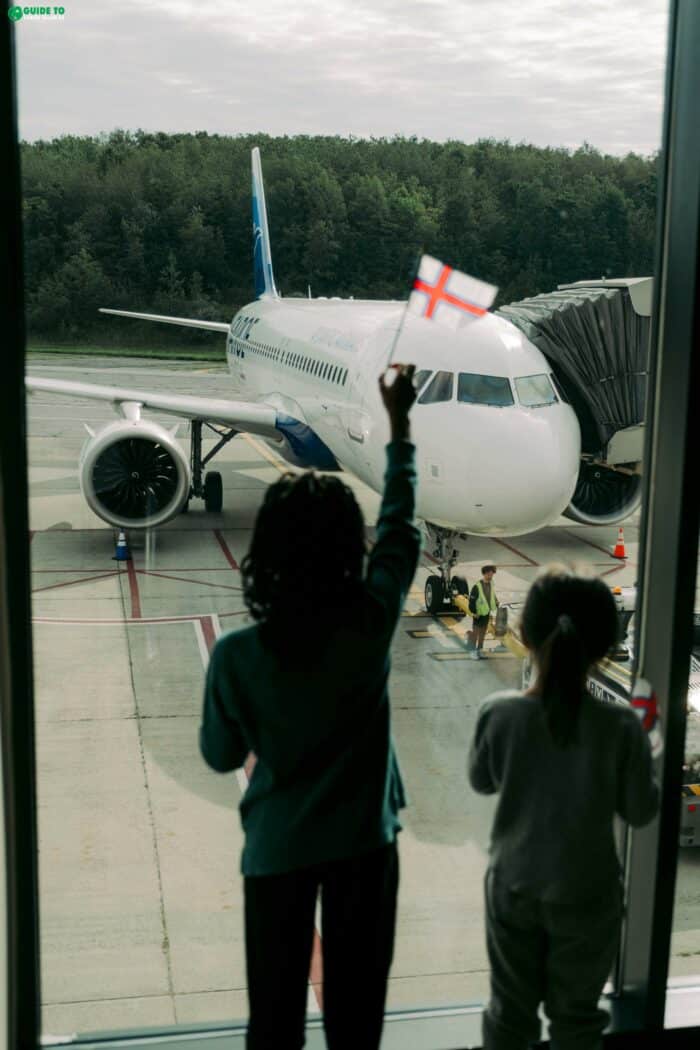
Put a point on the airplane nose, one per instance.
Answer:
(527, 471)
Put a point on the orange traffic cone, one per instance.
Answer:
(619, 551)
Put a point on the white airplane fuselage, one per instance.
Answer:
(482, 469)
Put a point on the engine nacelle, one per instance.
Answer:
(604, 495)
(134, 474)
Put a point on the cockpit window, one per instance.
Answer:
(420, 378)
(535, 391)
(439, 389)
(484, 390)
(558, 386)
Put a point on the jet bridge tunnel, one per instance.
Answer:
(595, 335)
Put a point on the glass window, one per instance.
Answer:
(476, 389)
(439, 389)
(534, 391)
(421, 377)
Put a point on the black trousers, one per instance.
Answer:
(358, 915)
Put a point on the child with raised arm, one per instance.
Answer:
(563, 765)
(305, 690)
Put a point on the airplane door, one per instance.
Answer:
(363, 409)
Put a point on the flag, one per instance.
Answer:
(447, 296)
(646, 707)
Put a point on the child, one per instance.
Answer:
(305, 690)
(563, 764)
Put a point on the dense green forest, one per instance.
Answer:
(162, 222)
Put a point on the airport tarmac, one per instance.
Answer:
(140, 895)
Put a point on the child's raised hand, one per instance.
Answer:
(397, 390)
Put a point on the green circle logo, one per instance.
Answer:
(14, 13)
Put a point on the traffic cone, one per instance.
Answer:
(619, 551)
(122, 552)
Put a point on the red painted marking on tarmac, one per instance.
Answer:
(72, 583)
(590, 543)
(515, 550)
(316, 969)
(208, 632)
(226, 549)
(182, 579)
(134, 591)
(615, 568)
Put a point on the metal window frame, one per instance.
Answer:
(670, 522)
(16, 695)
(669, 543)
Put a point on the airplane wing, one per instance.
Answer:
(189, 322)
(242, 415)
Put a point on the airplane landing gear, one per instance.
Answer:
(207, 486)
(441, 589)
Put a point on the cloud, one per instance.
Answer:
(547, 72)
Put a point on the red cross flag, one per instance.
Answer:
(646, 707)
(447, 296)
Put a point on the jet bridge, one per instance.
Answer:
(595, 335)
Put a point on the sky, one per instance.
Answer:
(550, 72)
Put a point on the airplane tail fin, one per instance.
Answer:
(262, 257)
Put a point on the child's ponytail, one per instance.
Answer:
(569, 622)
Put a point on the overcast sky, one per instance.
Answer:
(551, 72)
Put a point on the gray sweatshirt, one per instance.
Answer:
(552, 834)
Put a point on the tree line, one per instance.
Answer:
(162, 223)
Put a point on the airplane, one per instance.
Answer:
(498, 443)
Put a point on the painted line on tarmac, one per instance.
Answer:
(182, 579)
(114, 621)
(265, 452)
(589, 543)
(226, 550)
(71, 583)
(134, 591)
(514, 550)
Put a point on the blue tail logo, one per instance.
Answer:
(262, 257)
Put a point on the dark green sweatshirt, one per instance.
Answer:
(326, 784)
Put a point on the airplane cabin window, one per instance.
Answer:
(476, 389)
(440, 389)
(535, 391)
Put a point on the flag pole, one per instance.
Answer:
(399, 330)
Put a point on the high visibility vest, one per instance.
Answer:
(482, 606)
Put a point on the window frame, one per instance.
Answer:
(669, 544)
(669, 527)
(486, 404)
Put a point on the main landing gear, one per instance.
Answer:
(441, 589)
(207, 486)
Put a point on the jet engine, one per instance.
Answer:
(605, 495)
(134, 474)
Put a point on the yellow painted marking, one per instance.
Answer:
(451, 656)
(422, 634)
(265, 452)
(695, 788)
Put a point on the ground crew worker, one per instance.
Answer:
(482, 603)
(563, 765)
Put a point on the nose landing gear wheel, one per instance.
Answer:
(213, 492)
(434, 594)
